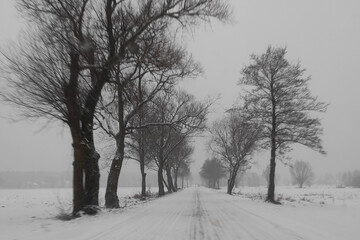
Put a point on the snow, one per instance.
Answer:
(194, 213)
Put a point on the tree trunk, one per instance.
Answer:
(74, 117)
(160, 180)
(78, 177)
(271, 189)
(111, 198)
(92, 179)
(182, 181)
(231, 183)
(92, 171)
(176, 171)
(169, 180)
(143, 180)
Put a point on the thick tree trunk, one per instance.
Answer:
(74, 118)
(111, 198)
(176, 171)
(271, 189)
(143, 180)
(92, 171)
(92, 178)
(169, 180)
(78, 177)
(166, 185)
(160, 180)
(231, 183)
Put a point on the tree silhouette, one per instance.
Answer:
(279, 99)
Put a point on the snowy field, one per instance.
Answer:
(196, 213)
(24, 211)
(315, 195)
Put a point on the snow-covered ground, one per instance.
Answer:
(290, 195)
(195, 213)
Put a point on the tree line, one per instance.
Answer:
(111, 66)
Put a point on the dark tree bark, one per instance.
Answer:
(176, 172)
(111, 198)
(143, 180)
(169, 180)
(182, 181)
(161, 179)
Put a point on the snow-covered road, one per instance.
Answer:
(201, 213)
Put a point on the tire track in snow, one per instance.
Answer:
(229, 221)
(161, 219)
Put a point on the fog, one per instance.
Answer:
(323, 35)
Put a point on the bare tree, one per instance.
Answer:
(301, 172)
(70, 58)
(181, 117)
(281, 102)
(233, 141)
(158, 66)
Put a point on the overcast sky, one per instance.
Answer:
(324, 35)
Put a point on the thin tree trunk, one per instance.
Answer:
(182, 181)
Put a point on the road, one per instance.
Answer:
(193, 214)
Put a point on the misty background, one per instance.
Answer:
(323, 35)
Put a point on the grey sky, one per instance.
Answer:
(323, 34)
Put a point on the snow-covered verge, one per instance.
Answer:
(24, 211)
(318, 195)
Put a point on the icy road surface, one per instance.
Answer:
(201, 213)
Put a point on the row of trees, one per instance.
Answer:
(274, 113)
(104, 65)
(214, 170)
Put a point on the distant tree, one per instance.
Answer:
(184, 173)
(180, 160)
(212, 171)
(301, 173)
(351, 179)
(233, 141)
(281, 102)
